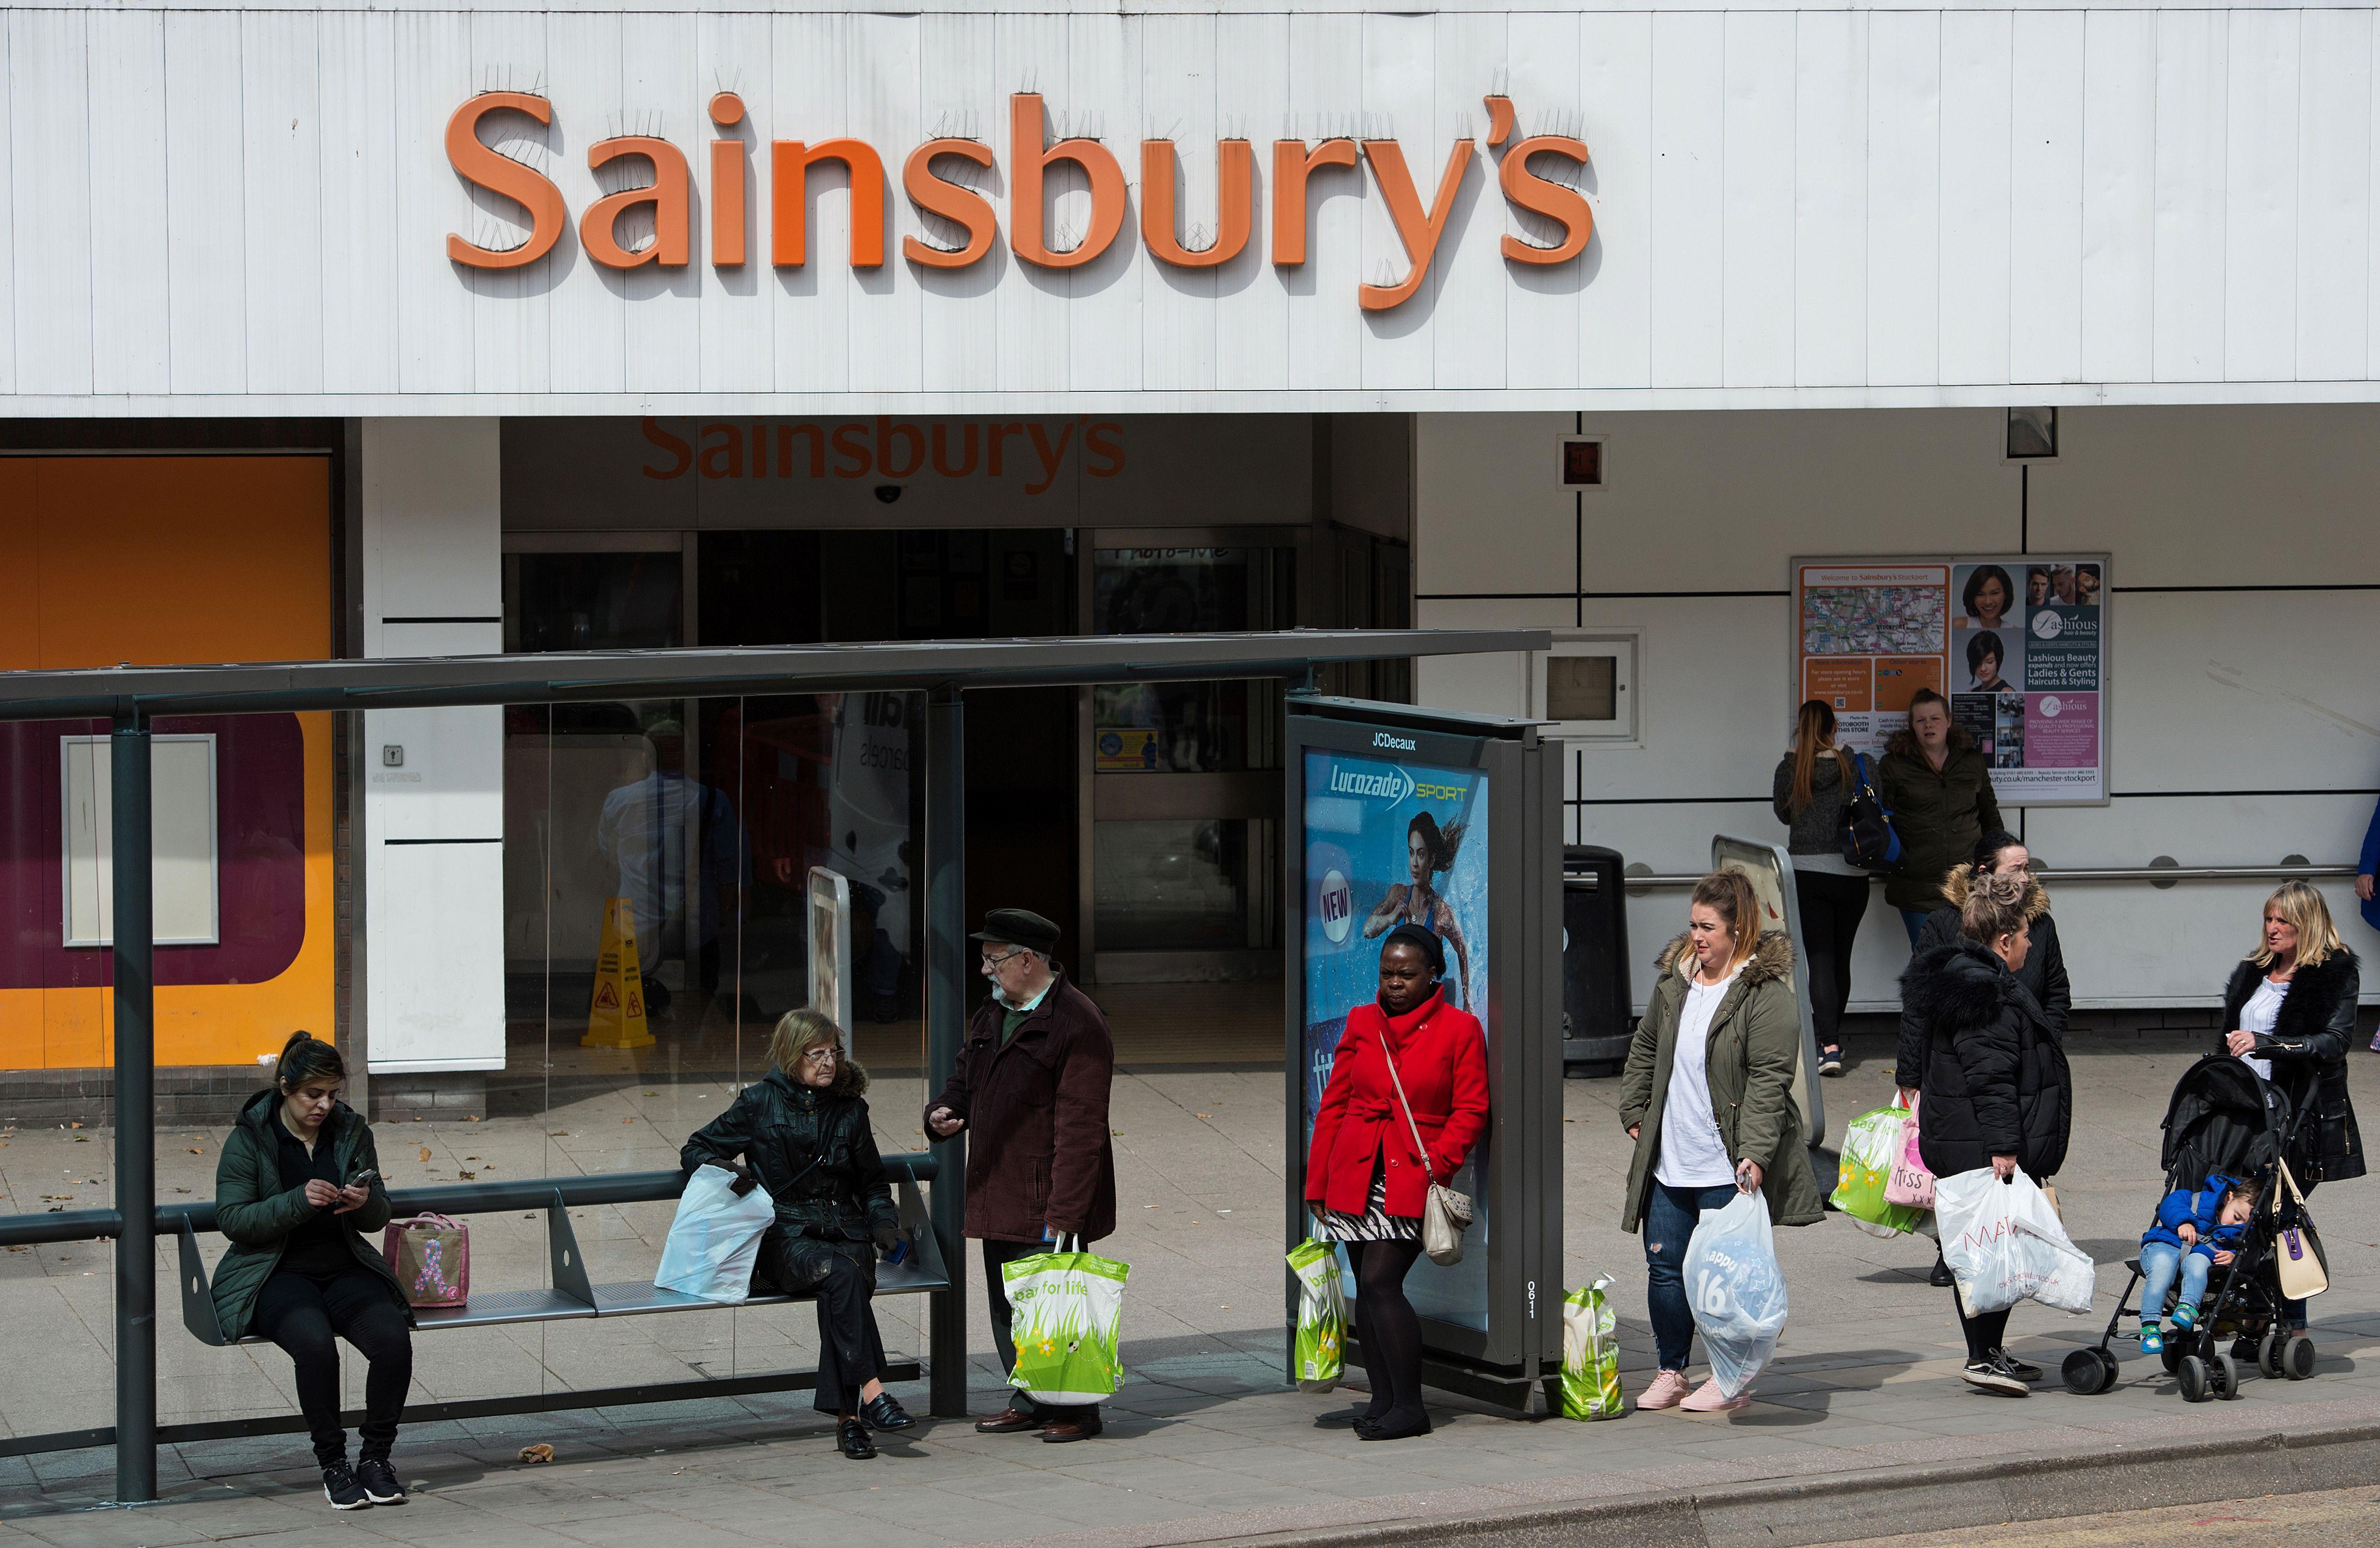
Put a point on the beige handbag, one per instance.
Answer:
(2304, 1268)
(1445, 1215)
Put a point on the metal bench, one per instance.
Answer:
(571, 1295)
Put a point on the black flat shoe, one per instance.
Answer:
(851, 1439)
(884, 1412)
(1399, 1431)
(1343, 1418)
(1941, 1278)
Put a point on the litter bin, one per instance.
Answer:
(1595, 998)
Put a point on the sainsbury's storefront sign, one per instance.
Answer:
(1299, 173)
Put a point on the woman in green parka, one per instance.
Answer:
(297, 1181)
(1707, 1095)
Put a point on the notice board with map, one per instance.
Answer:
(2019, 645)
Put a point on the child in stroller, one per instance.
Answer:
(2197, 1231)
(2223, 1124)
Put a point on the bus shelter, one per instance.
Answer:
(130, 699)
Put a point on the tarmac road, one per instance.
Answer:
(2335, 1517)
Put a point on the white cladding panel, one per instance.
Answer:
(1794, 206)
(2245, 721)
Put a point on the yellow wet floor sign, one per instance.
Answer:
(617, 1018)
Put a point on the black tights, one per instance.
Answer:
(1390, 1328)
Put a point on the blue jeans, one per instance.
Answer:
(1669, 1218)
(2160, 1260)
(1913, 920)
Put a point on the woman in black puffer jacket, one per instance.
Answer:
(1996, 1091)
(803, 1131)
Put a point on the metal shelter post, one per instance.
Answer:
(135, 1139)
(946, 969)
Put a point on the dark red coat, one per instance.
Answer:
(1442, 1055)
(1037, 1120)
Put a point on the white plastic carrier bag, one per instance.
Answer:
(2005, 1244)
(1736, 1289)
(715, 1238)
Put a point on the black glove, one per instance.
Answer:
(887, 1237)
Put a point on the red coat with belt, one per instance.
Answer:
(1443, 1054)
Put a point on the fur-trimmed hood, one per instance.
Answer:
(850, 1083)
(1961, 986)
(1960, 880)
(1772, 957)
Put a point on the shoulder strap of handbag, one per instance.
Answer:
(2295, 1192)
(1395, 1081)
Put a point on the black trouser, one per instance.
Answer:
(1984, 1332)
(851, 1348)
(1831, 908)
(305, 1312)
(997, 1255)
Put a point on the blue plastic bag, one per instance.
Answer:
(715, 1239)
(1736, 1289)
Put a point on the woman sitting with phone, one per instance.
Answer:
(804, 1130)
(297, 1184)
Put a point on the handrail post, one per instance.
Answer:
(133, 961)
(945, 1028)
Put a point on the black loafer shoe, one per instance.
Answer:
(886, 1413)
(851, 1439)
(1008, 1422)
(1941, 1278)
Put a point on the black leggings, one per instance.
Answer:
(1984, 1332)
(305, 1313)
(1390, 1328)
(1831, 909)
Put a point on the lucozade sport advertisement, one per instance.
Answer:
(2018, 645)
(1386, 844)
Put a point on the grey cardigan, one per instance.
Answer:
(1818, 830)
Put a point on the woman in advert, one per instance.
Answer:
(1365, 1182)
(803, 1131)
(1429, 849)
(297, 1185)
(1707, 1095)
(2042, 972)
(1986, 651)
(1986, 596)
(1940, 795)
(1814, 780)
(2290, 1009)
(1996, 1088)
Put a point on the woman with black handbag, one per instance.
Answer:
(1814, 790)
(1406, 1101)
(2289, 1011)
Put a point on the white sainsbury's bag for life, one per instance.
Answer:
(715, 1238)
(1736, 1289)
(2005, 1244)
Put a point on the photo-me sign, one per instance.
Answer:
(1453, 821)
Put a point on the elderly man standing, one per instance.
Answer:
(1031, 1087)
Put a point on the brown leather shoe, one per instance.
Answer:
(1068, 1429)
(1008, 1422)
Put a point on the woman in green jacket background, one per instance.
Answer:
(298, 1180)
(1707, 1095)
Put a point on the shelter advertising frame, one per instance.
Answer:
(1359, 775)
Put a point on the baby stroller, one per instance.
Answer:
(2222, 1118)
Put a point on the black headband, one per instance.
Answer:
(1423, 939)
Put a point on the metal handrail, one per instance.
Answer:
(1650, 881)
(598, 1188)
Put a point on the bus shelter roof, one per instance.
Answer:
(703, 672)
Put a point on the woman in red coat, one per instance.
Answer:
(1364, 1181)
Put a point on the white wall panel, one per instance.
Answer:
(2120, 79)
(587, 314)
(1904, 197)
(1615, 305)
(2262, 129)
(2045, 198)
(280, 100)
(734, 54)
(127, 218)
(2191, 95)
(1756, 218)
(1469, 285)
(1541, 309)
(1977, 58)
(1830, 198)
(511, 308)
(661, 94)
(1688, 201)
(2334, 213)
(881, 105)
(205, 195)
(1176, 321)
(1252, 297)
(1507, 528)
(962, 326)
(50, 198)
(360, 243)
(8, 214)
(1400, 104)
(1101, 85)
(1030, 55)
(433, 305)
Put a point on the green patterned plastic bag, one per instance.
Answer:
(1590, 1378)
(1869, 1149)
(1321, 1314)
(1066, 1311)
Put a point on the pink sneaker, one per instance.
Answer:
(1706, 1400)
(1669, 1389)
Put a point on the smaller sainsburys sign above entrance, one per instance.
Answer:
(1535, 173)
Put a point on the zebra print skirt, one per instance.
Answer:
(1376, 1223)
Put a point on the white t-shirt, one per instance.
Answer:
(1693, 1155)
(2259, 1015)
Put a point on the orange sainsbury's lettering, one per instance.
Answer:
(1419, 230)
(727, 197)
(1293, 166)
(954, 203)
(1556, 202)
(679, 450)
(1235, 173)
(673, 209)
(1027, 207)
(790, 162)
(476, 162)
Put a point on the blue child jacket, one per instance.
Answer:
(2197, 1207)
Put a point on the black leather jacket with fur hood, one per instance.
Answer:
(813, 1149)
(2308, 1046)
(1994, 1078)
(2044, 973)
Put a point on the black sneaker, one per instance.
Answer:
(339, 1487)
(1830, 1061)
(379, 1481)
(1992, 1374)
(884, 1412)
(2017, 1367)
